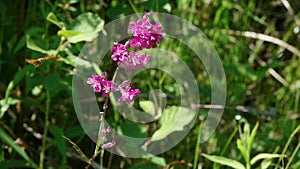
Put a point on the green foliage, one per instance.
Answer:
(225, 161)
(244, 144)
(83, 28)
(8, 140)
(262, 79)
(173, 119)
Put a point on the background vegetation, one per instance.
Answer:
(257, 41)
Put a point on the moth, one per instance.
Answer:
(39, 61)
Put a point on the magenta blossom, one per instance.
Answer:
(95, 81)
(106, 131)
(100, 84)
(108, 86)
(135, 61)
(146, 35)
(128, 94)
(120, 52)
(109, 144)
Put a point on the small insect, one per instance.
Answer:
(39, 61)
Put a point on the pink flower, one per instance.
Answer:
(120, 52)
(109, 144)
(95, 82)
(146, 35)
(135, 61)
(106, 131)
(100, 84)
(128, 94)
(108, 86)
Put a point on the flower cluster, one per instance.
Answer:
(145, 35)
(128, 94)
(100, 84)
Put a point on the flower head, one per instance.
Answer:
(95, 81)
(128, 94)
(106, 131)
(146, 35)
(109, 144)
(108, 86)
(135, 60)
(100, 84)
(120, 52)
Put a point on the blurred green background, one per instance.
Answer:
(258, 44)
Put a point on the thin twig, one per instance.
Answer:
(266, 38)
(272, 72)
(291, 11)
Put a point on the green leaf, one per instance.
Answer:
(52, 81)
(53, 19)
(246, 71)
(253, 133)
(5, 103)
(173, 119)
(75, 131)
(265, 164)
(18, 76)
(224, 161)
(59, 141)
(13, 164)
(242, 149)
(156, 160)
(69, 33)
(31, 45)
(133, 130)
(264, 156)
(21, 43)
(9, 101)
(84, 28)
(8, 140)
(148, 106)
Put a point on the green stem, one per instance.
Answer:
(45, 132)
(197, 146)
(286, 145)
(101, 157)
(134, 8)
(293, 156)
(100, 138)
(110, 160)
(229, 141)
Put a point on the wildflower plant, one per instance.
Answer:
(145, 36)
(137, 51)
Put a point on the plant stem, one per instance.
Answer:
(109, 160)
(42, 153)
(101, 157)
(293, 156)
(287, 145)
(134, 8)
(229, 140)
(100, 138)
(197, 146)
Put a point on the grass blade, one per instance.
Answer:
(224, 161)
(8, 140)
